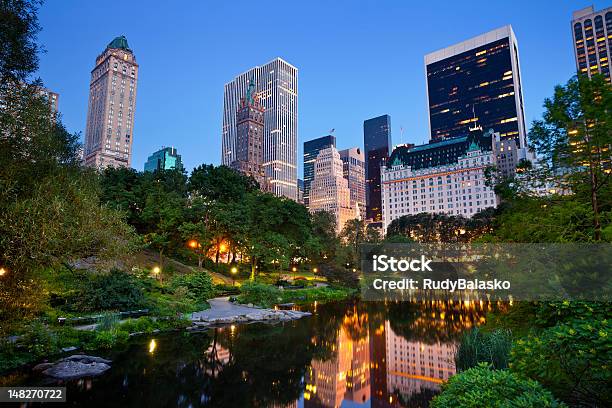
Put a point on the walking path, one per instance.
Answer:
(221, 307)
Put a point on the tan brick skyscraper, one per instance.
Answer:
(112, 102)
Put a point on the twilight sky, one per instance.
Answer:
(356, 59)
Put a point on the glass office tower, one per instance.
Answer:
(311, 150)
(164, 159)
(592, 33)
(477, 80)
(377, 147)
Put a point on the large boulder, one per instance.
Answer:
(77, 366)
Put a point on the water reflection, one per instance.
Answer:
(355, 354)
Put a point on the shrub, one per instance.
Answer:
(482, 387)
(199, 285)
(108, 339)
(39, 340)
(339, 275)
(143, 324)
(259, 294)
(572, 359)
(478, 347)
(116, 290)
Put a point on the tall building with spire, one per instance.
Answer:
(276, 83)
(112, 102)
(249, 138)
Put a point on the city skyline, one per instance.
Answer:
(196, 123)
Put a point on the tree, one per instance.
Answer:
(324, 231)
(220, 183)
(574, 137)
(18, 33)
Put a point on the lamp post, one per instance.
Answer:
(234, 271)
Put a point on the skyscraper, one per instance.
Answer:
(112, 101)
(52, 97)
(377, 147)
(249, 138)
(476, 80)
(276, 83)
(311, 151)
(329, 189)
(165, 159)
(353, 163)
(592, 32)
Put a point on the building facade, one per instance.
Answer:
(476, 80)
(329, 189)
(592, 33)
(353, 167)
(276, 83)
(311, 151)
(300, 185)
(112, 102)
(165, 159)
(249, 138)
(52, 98)
(446, 177)
(377, 147)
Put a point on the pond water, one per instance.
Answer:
(347, 354)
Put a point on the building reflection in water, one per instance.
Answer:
(379, 367)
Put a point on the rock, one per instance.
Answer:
(85, 359)
(69, 370)
(42, 366)
(67, 349)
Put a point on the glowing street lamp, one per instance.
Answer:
(315, 270)
(193, 244)
(3, 271)
(234, 271)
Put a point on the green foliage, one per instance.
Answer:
(477, 347)
(339, 275)
(220, 183)
(108, 339)
(39, 341)
(116, 290)
(18, 30)
(571, 355)
(199, 285)
(426, 227)
(482, 387)
(259, 294)
(143, 324)
(108, 321)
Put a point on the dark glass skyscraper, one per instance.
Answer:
(377, 147)
(477, 80)
(311, 150)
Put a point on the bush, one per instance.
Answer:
(478, 347)
(199, 285)
(482, 387)
(116, 290)
(259, 294)
(143, 324)
(339, 275)
(39, 340)
(572, 359)
(108, 339)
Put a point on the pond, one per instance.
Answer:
(347, 354)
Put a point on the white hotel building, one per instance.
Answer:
(446, 177)
(276, 84)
